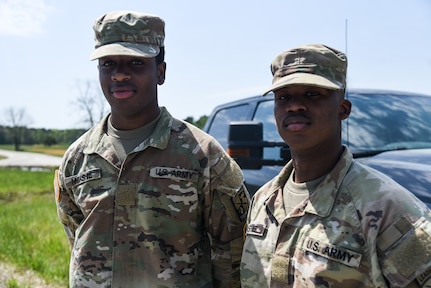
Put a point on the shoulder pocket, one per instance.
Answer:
(409, 255)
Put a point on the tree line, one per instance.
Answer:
(22, 135)
(89, 103)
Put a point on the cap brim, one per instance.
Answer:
(304, 79)
(125, 49)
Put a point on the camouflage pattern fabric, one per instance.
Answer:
(315, 65)
(358, 229)
(128, 33)
(171, 215)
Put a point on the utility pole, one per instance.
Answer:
(345, 37)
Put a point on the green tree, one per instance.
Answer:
(200, 123)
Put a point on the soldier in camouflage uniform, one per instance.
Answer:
(327, 220)
(147, 200)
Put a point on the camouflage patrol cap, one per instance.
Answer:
(128, 33)
(314, 65)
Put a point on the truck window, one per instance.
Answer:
(265, 114)
(219, 128)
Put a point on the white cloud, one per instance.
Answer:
(23, 18)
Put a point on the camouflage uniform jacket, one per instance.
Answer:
(171, 215)
(358, 229)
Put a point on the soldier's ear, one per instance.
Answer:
(161, 73)
(345, 109)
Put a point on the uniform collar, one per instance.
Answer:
(320, 202)
(158, 139)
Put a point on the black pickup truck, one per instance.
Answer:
(387, 130)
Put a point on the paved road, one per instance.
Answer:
(28, 159)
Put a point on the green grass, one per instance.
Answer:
(13, 283)
(55, 150)
(31, 236)
(15, 181)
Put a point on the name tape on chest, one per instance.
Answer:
(424, 279)
(332, 252)
(174, 173)
(256, 230)
(83, 177)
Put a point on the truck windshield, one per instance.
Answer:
(388, 122)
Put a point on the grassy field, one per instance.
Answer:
(56, 150)
(31, 236)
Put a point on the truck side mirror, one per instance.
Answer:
(244, 143)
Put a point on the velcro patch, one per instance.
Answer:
(83, 177)
(409, 258)
(280, 268)
(126, 194)
(332, 252)
(394, 233)
(411, 253)
(174, 173)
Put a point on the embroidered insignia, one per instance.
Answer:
(332, 252)
(424, 279)
(174, 173)
(83, 177)
(240, 202)
(256, 230)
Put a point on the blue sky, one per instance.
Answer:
(216, 51)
